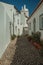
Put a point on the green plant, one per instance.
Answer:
(12, 37)
(36, 37)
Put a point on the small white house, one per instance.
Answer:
(35, 21)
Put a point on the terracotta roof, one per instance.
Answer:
(35, 9)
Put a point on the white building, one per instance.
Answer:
(6, 17)
(35, 21)
(20, 21)
(17, 26)
(9, 17)
(24, 16)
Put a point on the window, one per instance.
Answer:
(41, 21)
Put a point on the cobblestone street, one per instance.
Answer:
(25, 53)
(9, 53)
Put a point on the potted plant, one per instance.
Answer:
(36, 39)
(12, 37)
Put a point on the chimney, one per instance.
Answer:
(24, 6)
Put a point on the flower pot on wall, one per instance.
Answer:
(37, 45)
(36, 37)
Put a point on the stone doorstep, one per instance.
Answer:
(9, 53)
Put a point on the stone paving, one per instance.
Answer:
(25, 53)
(8, 54)
(20, 52)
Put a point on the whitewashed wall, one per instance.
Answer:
(23, 17)
(1, 29)
(9, 9)
(36, 15)
(5, 17)
(22, 21)
(19, 26)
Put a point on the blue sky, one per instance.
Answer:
(30, 4)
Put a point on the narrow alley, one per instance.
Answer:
(25, 53)
(21, 32)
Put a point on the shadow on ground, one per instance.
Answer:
(25, 53)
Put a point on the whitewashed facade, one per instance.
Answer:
(20, 21)
(10, 16)
(24, 16)
(35, 21)
(6, 16)
(17, 25)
